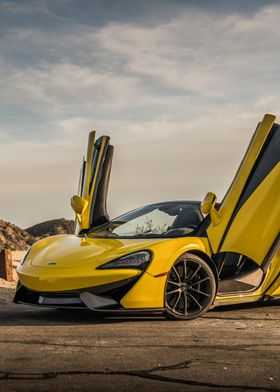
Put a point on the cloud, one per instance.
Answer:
(180, 99)
(199, 52)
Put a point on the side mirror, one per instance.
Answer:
(208, 202)
(208, 206)
(79, 205)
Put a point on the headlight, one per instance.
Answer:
(24, 257)
(138, 260)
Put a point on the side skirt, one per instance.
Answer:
(222, 300)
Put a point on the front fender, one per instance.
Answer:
(148, 292)
(167, 252)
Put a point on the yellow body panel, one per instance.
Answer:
(77, 259)
(148, 292)
(215, 232)
(275, 292)
(257, 223)
(88, 190)
(50, 280)
(273, 281)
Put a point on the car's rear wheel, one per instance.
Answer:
(190, 288)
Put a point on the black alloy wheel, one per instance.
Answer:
(190, 288)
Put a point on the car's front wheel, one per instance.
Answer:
(190, 288)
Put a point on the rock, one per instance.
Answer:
(52, 227)
(13, 237)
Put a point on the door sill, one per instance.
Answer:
(228, 299)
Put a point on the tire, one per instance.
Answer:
(190, 288)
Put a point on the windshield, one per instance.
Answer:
(153, 221)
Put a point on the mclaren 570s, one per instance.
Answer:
(176, 258)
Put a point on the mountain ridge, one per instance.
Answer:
(51, 227)
(15, 238)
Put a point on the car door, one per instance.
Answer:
(94, 181)
(249, 215)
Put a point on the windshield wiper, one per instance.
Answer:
(152, 235)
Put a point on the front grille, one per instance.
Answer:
(116, 291)
(24, 295)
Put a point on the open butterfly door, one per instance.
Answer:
(94, 182)
(248, 220)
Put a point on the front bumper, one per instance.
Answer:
(104, 298)
(109, 294)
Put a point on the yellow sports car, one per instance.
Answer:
(176, 258)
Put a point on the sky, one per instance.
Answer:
(178, 85)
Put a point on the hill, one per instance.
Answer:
(13, 237)
(51, 227)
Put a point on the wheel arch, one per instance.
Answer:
(208, 260)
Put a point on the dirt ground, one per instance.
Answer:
(229, 349)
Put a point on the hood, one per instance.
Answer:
(64, 251)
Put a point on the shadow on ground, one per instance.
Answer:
(16, 315)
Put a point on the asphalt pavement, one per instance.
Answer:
(233, 348)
